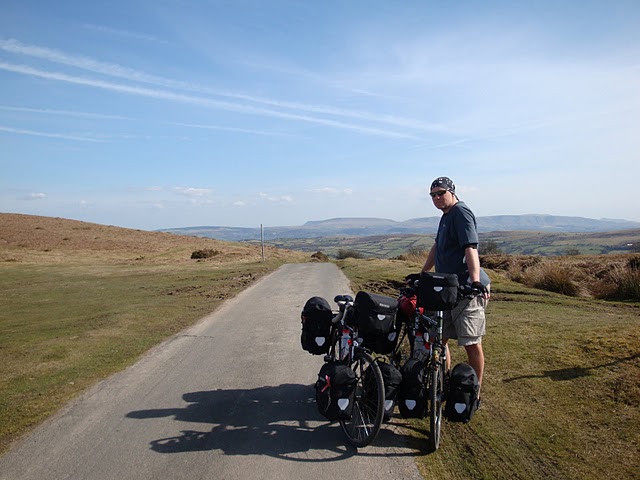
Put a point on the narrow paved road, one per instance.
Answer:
(230, 398)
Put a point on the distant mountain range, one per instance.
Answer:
(359, 227)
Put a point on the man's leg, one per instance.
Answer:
(476, 359)
(447, 353)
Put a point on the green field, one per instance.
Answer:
(514, 243)
(561, 396)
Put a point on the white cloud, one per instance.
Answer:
(70, 113)
(193, 192)
(129, 74)
(61, 136)
(276, 198)
(123, 33)
(332, 191)
(34, 196)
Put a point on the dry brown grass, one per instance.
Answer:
(45, 240)
(614, 277)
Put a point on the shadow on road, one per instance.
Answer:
(277, 421)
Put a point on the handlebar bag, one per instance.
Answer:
(438, 291)
(375, 320)
(335, 391)
(316, 326)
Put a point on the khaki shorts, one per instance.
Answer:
(466, 322)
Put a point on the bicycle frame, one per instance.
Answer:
(368, 411)
(437, 349)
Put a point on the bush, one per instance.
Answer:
(497, 261)
(624, 284)
(205, 253)
(489, 248)
(342, 254)
(414, 254)
(554, 277)
(319, 257)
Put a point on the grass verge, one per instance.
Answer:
(561, 394)
(64, 327)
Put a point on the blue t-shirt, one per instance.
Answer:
(456, 231)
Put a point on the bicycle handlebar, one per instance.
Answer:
(343, 302)
(464, 290)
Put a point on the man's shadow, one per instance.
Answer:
(572, 373)
(280, 421)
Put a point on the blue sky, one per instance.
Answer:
(170, 113)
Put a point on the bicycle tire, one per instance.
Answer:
(368, 408)
(436, 396)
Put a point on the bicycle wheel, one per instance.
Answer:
(436, 394)
(368, 407)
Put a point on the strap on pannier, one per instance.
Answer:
(335, 391)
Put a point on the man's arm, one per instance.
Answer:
(431, 259)
(473, 264)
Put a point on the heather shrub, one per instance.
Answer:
(554, 277)
(414, 254)
(319, 257)
(497, 261)
(342, 254)
(205, 253)
(624, 284)
(489, 248)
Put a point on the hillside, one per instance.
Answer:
(81, 301)
(29, 238)
(429, 225)
(516, 243)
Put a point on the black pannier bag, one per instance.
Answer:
(375, 320)
(462, 398)
(316, 326)
(438, 291)
(412, 395)
(335, 391)
(392, 379)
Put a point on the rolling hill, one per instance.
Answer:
(359, 227)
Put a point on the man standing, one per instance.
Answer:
(456, 251)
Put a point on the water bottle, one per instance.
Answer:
(420, 350)
(344, 344)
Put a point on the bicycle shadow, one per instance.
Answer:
(572, 373)
(280, 421)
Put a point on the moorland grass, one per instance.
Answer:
(561, 392)
(63, 326)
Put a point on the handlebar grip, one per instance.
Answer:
(343, 298)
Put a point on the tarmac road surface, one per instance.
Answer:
(230, 398)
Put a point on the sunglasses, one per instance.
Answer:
(438, 193)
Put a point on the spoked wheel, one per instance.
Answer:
(368, 408)
(436, 397)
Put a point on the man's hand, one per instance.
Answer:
(479, 287)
